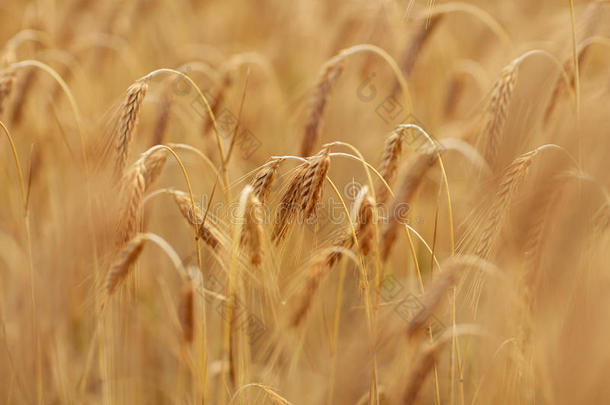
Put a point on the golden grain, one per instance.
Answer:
(7, 81)
(329, 75)
(204, 230)
(129, 113)
(389, 164)
(122, 264)
(497, 112)
(252, 230)
(263, 179)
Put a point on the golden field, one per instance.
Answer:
(306, 202)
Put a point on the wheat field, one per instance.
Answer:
(305, 202)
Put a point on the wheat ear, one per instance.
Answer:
(263, 179)
(364, 209)
(135, 183)
(122, 264)
(363, 215)
(453, 94)
(288, 205)
(560, 84)
(497, 112)
(317, 270)
(204, 231)
(153, 165)
(543, 213)
(331, 72)
(511, 180)
(423, 31)
(217, 100)
(544, 208)
(421, 368)
(132, 192)
(129, 112)
(389, 164)
(187, 311)
(313, 181)
(252, 230)
(7, 82)
(432, 299)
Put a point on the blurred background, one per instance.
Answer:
(534, 321)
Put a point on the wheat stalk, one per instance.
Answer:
(329, 75)
(66, 75)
